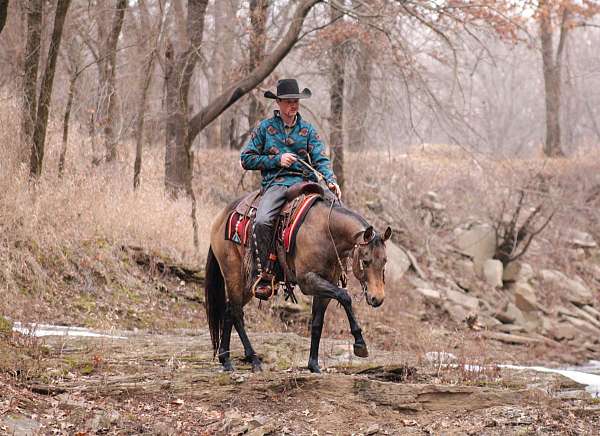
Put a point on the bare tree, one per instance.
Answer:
(336, 94)
(552, 66)
(150, 49)
(3, 13)
(258, 39)
(30, 66)
(179, 69)
(41, 122)
(107, 81)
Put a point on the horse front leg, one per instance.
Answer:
(319, 287)
(319, 307)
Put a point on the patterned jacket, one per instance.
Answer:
(269, 141)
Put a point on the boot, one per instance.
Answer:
(264, 285)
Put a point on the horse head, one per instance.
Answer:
(368, 264)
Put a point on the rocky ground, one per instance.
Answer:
(170, 384)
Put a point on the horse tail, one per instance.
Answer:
(214, 296)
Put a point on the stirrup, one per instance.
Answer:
(262, 289)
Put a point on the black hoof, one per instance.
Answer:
(360, 350)
(314, 367)
(256, 365)
(227, 366)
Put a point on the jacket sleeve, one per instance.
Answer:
(253, 155)
(319, 159)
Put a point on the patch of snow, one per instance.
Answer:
(39, 330)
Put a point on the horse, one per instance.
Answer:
(329, 233)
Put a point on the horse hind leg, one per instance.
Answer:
(249, 353)
(319, 306)
(224, 344)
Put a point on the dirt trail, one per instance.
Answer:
(170, 384)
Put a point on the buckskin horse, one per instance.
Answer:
(330, 232)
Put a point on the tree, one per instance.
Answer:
(150, 49)
(178, 74)
(107, 81)
(30, 72)
(337, 70)
(43, 108)
(3, 13)
(181, 132)
(564, 15)
(258, 39)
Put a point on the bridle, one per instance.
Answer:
(360, 275)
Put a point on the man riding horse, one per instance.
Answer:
(280, 147)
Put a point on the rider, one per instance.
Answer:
(275, 148)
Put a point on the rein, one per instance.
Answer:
(344, 276)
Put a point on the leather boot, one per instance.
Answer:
(264, 286)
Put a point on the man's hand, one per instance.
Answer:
(287, 159)
(335, 189)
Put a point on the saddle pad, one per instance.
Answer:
(237, 228)
(289, 233)
(238, 225)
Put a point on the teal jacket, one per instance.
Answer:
(269, 141)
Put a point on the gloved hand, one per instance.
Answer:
(335, 189)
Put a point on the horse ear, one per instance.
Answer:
(387, 234)
(368, 234)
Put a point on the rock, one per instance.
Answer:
(525, 298)
(562, 330)
(397, 261)
(464, 273)
(462, 299)
(430, 295)
(583, 326)
(574, 291)
(479, 242)
(586, 316)
(456, 312)
(512, 339)
(517, 272)
(511, 315)
(492, 272)
(578, 238)
(592, 311)
(373, 429)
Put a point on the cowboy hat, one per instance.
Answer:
(288, 88)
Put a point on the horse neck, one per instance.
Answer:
(346, 226)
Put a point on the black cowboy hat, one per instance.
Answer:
(288, 88)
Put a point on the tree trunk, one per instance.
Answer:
(359, 98)
(66, 118)
(551, 65)
(258, 39)
(31, 65)
(3, 13)
(145, 81)
(41, 122)
(228, 119)
(336, 117)
(110, 141)
(179, 68)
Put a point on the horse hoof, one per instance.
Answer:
(257, 366)
(227, 366)
(314, 368)
(360, 350)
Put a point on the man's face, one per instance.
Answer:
(288, 106)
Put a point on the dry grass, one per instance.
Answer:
(61, 229)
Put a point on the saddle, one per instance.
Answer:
(300, 198)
